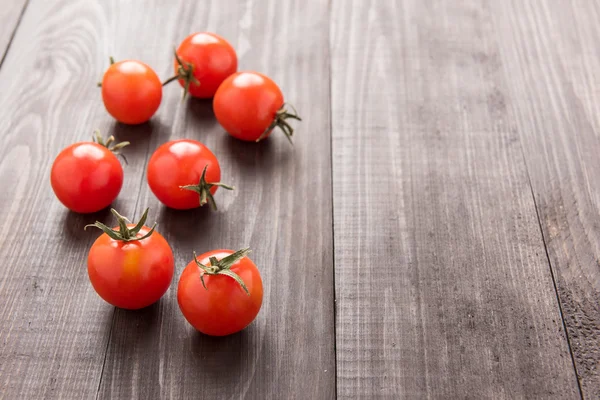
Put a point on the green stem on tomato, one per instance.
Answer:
(185, 72)
(112, 61)
(203, 190)
(223, 267)
(171, 79)
(280, 121)
(124, 233)
(115, 149)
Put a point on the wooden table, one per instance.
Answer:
(434, 232)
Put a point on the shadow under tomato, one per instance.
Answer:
(140, 136)
(225, 355)
(187, 226)
(143, 320)
(74, 223)
(200, 111)
(253, 154)
(134, 332)
(137, 135)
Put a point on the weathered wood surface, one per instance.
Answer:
(57, 336)
(459, 160)
(10, 15)
(53, 328)
(550, 52)
(281, 208)
(442, 284)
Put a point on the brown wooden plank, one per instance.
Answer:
(54, 329)
(11, 12)
(442, 283)
(550, 55)
(281, 208)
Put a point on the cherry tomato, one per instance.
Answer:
(220, 292)
(86, 177)
(184, 174)
(131, 91)
(202, 61)
(249, 106)
(130, 266)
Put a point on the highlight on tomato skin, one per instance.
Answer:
(202, 62)
(130, 266)
(131, 91)
(220, 292)
(250, 105)
(87, 177)
(184, 174)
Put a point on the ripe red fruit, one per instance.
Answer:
(130, 266)
(220, 292)
(250, 105)
(131, 91)
(184, 174)
(202, 61)
(87, 177)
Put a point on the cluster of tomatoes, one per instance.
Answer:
(131, 266)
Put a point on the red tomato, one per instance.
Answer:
(86, 177)
(227, 298)
(131, 91)
(249, 106)
(203, 61)
(184, 174)
(130, 266)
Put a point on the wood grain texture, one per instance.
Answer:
(443, 288)
(54, 329)
(281, 208)
(10, 14)
(458, 129)
(550, 56)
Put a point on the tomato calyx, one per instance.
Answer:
(185, 72)
(115, 148)
(223, 267)
(124, 233)
(280, 121)
(203, 189)
(112, 61)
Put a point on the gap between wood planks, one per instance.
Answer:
(14, 31)
(114, 311)
(560, 309)
(330, 128)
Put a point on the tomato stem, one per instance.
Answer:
(112, 61)
(280, 121)
(203, 189)
(115, 149)
(171, 79)
(223, 267)
(124, 233)
(185, 72)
